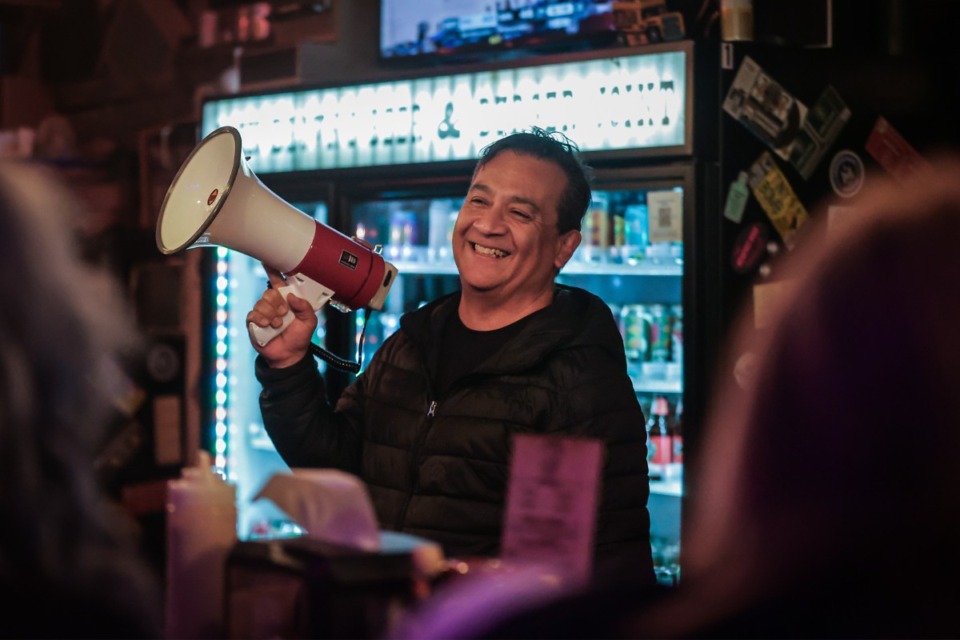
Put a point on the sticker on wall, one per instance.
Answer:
(823, 124)
(892, 151)
(749, 247)
(797, 134)
(777, 198)
(736, 199)
(665, 216)
(764, 107)
(847, 173)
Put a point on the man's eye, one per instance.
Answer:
(521, 214)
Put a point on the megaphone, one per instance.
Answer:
(216, 200)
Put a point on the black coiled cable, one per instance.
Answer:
(342, 363)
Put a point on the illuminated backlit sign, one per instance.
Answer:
(604, 104)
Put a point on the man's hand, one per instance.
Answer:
(292, 345)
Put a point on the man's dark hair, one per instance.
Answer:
(557, 148)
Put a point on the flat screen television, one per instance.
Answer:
(445, 31)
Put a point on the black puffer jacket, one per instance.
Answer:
(438, 466)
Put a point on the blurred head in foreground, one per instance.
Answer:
(828, 500)
(63, 548)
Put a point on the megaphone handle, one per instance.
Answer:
(301, 286)
(263, 335)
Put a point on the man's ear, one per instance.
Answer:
(567, 244)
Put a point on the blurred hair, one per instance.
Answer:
(828, 496)
(557, 148)
(62, 327)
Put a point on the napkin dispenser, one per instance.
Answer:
(304, 588)
(344, 578)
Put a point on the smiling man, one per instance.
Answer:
(508, 242)
(429, 423)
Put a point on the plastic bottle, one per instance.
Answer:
(201, 530)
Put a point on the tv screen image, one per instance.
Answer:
(430, 29)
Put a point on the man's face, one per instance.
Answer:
(505, 243)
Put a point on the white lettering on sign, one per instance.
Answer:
(632, 102)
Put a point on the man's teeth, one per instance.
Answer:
(489, 251)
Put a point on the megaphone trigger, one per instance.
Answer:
(301, 286)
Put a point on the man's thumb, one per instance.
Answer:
(300, 307)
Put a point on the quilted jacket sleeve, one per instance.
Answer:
(306, 430)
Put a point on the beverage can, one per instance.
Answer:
(636, 329)
(596, 228)
(635, 231)
(676, 334)
(660, 333)
(617, 236)
(599, 228)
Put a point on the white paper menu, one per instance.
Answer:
(552, 500)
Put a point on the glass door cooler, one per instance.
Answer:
(381, 155)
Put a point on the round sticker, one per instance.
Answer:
(846, 174)
(163, 362)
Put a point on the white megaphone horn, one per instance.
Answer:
(216, 200)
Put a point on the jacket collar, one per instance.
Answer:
(570, 320)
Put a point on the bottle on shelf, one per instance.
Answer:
(596, 229)
(675, 367)
(659, 438)
(675, 466)
(635, 329)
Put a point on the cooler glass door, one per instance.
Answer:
(241, 445)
